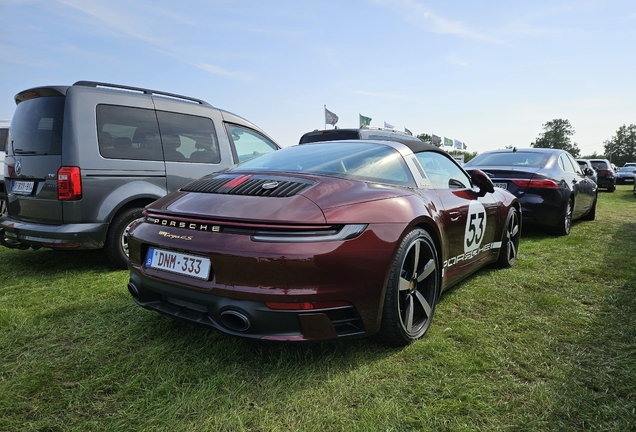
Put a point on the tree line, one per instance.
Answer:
(557, 134)
(619, 149)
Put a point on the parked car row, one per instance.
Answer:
(353, 232)
(549, 183)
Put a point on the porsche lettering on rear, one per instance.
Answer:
(186, 225)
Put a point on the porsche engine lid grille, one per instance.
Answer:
(251, 185)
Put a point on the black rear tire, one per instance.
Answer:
(591, 215)
(510, 243)
(116, 247)
(412, 290)
(564, 225)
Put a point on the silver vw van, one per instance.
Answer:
(84, 160)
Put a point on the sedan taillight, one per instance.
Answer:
(536, 183)
(69, 184)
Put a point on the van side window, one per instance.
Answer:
(188, 138)
(248, 143)
(128, 133)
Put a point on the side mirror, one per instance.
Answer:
(588, 171)
(482, 181)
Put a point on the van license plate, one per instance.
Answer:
(22, 187)
(188, 265)
(501, 185)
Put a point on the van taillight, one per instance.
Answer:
(69, 184)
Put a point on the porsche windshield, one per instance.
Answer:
(351, 160)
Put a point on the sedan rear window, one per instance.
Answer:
(527, 159)
(36, 127)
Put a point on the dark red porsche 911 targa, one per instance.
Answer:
(321, 241)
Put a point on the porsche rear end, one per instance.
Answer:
(282, 270)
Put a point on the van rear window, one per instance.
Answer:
(37, 125)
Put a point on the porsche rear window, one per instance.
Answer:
(528, 159)
(351, 160)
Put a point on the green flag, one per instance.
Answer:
(364, 121)
(448, 142)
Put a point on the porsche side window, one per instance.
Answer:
(442, 171)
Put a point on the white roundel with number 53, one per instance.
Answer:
(475, 226)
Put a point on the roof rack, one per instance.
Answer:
(141, 90)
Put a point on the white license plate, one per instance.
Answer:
(22, 187)
(189, 265)
(501, 185)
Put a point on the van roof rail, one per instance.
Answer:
(141, 90)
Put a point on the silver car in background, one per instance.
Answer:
(84, 160)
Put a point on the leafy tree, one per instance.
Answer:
(426, 138)
(594, 156)
(621, 147)
(557, 135)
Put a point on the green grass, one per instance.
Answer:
(546, 345)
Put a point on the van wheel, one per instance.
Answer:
(116, 247)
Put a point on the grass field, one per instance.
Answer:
(549, 344)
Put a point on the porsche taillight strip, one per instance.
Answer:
(269, 233)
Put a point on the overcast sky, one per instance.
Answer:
(488, 73)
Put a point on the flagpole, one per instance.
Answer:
(325, 114)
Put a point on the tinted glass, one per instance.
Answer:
(565, 164)
(248, 143)
(188, 138)
(442, 172)
(600, 165)
(37, 124)
(521, 158)
(4, 138)
(575, 165)
(352, 160)
(329, 136)
(128, 133)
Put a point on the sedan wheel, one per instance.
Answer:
(412, 290)
(510, 243)
(565, 223)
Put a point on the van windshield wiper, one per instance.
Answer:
(20, 151)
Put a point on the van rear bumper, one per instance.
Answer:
(23, 235)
